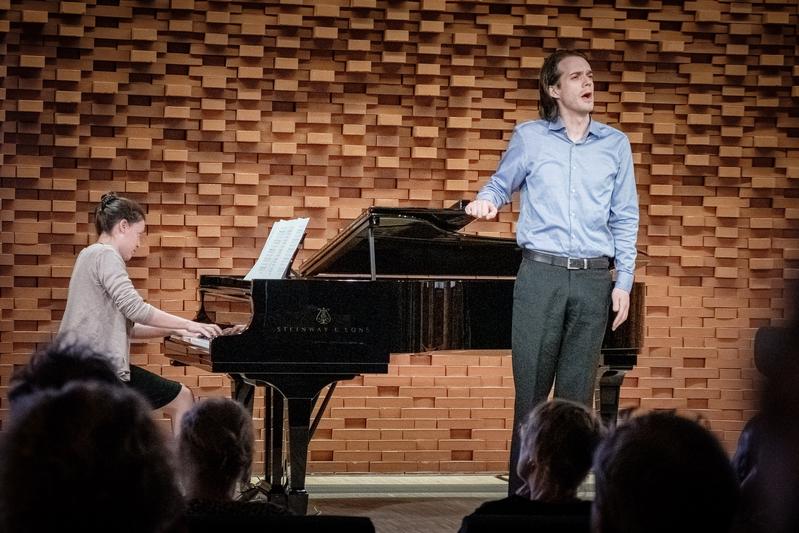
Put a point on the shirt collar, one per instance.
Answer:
(594, 128)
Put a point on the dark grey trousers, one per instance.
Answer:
(559, 321)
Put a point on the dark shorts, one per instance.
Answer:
(158, 390)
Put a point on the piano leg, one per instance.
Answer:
(242, 391)
(294, 497)
(301, 393)
(273, 445)
(299, 438)
(610, 381)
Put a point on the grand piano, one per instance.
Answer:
(396, 280)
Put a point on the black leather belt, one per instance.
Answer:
(571, 263)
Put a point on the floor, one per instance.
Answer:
(408, 503)
(404, 514)
(404, 503)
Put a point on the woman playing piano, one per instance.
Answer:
(105, 310)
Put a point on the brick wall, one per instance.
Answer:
(223, 117)
(441, 412)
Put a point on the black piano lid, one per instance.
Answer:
(414, 241)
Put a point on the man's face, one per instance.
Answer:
(574, 91)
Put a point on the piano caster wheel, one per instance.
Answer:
(298, 502)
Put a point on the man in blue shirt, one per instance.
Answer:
(579, 216)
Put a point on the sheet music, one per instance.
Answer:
(283, 240)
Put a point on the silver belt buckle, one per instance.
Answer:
(576, 264)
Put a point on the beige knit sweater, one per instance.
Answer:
(103, 305)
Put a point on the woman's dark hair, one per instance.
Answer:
(63, 361)
(87, 457)
(660, 473)
(549, 77)
(558, 439)
(216, 446)
(112, 209)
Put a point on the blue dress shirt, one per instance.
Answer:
(578, 199)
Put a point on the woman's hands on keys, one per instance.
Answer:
(234, 330)
(200, 329)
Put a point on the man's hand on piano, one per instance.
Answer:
(481, 209)
(200, 329)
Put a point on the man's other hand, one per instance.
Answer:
(621, 306)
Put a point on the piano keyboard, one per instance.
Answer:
(200, 342)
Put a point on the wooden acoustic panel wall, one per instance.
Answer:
(223, 117)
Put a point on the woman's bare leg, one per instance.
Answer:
(178, 407)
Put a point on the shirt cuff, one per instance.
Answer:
(488, 196)
(624, 281)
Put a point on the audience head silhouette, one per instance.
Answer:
(767, 450)
(87, 457)
(59, 363)
(215, 449)
(558, 439)
(661, 473)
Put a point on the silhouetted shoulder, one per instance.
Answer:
(519, 505)
(200, 509)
